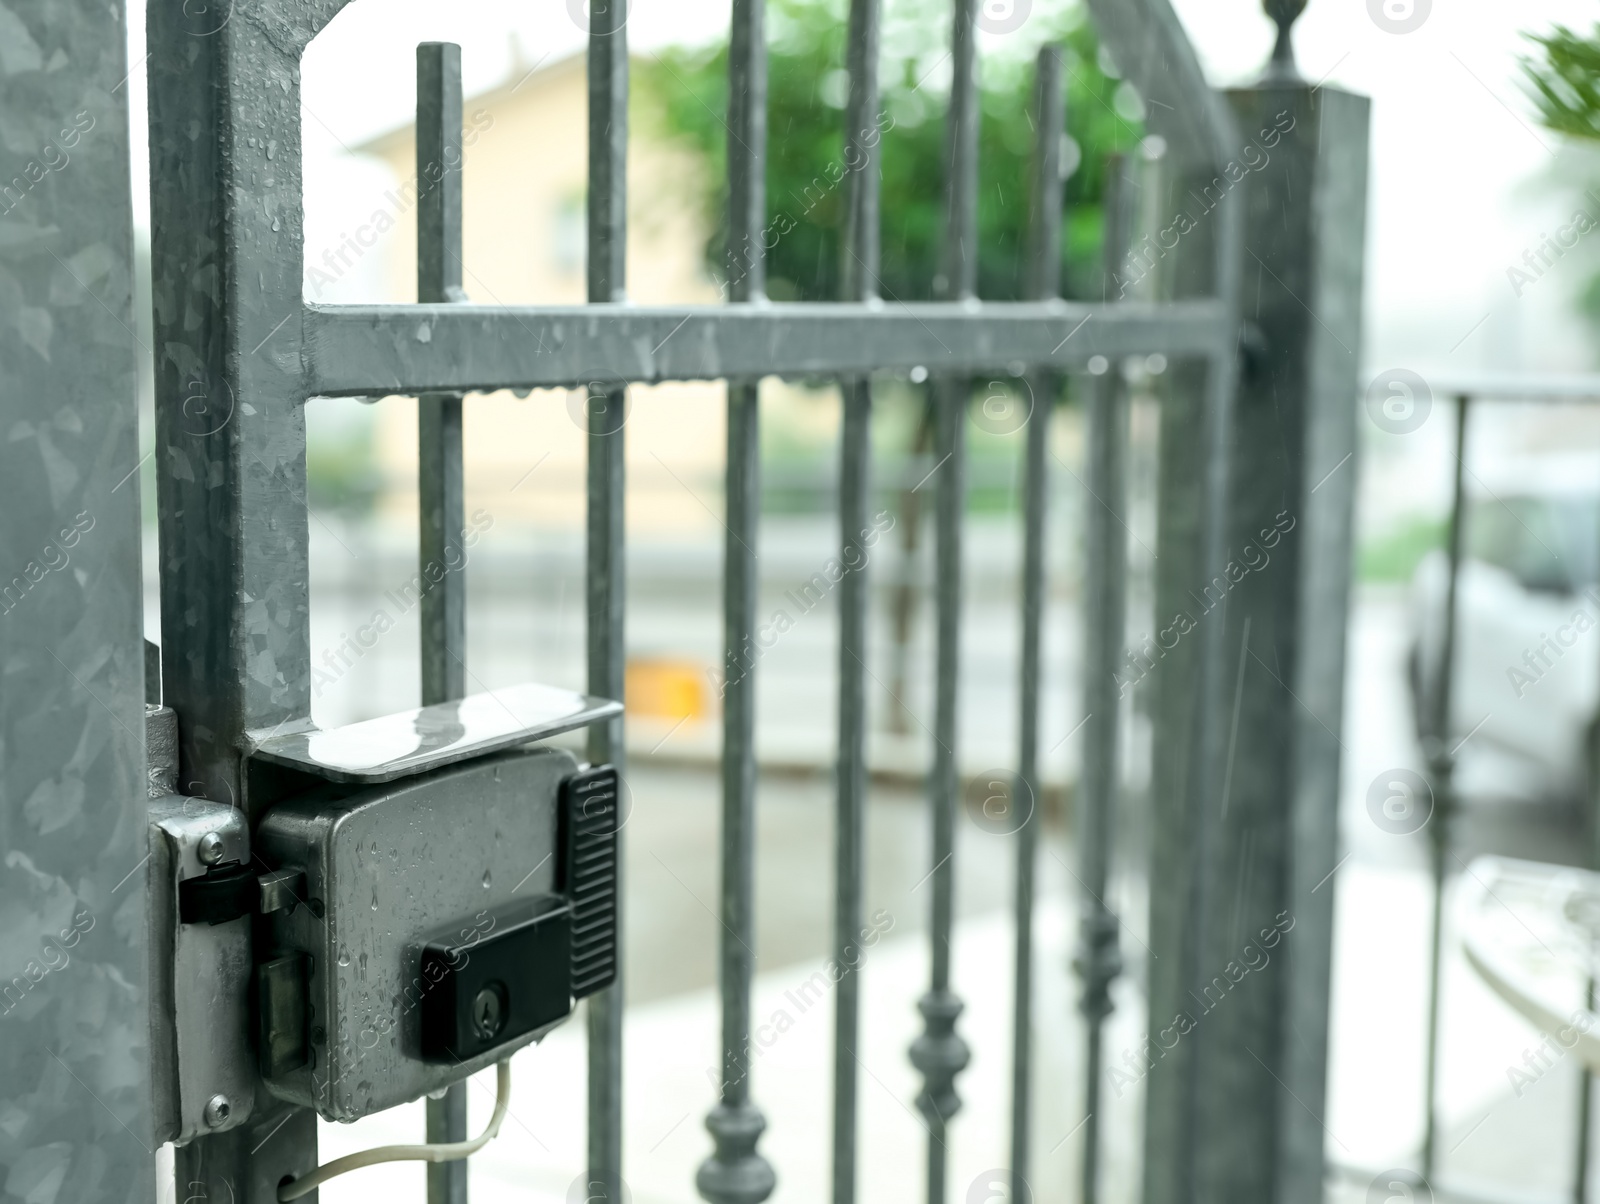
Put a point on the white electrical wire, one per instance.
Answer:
(436, 1152)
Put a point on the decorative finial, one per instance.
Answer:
(1281, 68)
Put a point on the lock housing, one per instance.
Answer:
(435, 933)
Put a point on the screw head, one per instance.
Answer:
(218, 1109)
(489, 1011)
(210, 852)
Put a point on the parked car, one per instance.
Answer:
(1527, 665)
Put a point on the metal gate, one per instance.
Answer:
(238, 352)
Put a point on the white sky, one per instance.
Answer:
(1461, 180)
(1458, 173)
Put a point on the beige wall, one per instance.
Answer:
(522, 234)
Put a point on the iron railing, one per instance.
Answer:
(1436, 719)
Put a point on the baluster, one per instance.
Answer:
(439, 480)
(736, 1173)
(1042, 386)
(606, 568)
(859, 279)
(940, 1053)
(1098, 959)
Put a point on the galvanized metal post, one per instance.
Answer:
(606, 532)
(75, 1077)
(227, 263)
(940, 1053)
(440, 501)
(1248, 744)
(736, 1173)
(1098, 958)
(1049, 120)
(859, 274)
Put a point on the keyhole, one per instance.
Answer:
(488, 1010)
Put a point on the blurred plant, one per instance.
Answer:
(684, 91)
(341, 467)
(1564, 84)
(1565, 78)
(1393, 554)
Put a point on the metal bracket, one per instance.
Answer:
(202, 1068)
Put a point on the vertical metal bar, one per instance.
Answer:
(230, 450)
(959, 265)
(439, 476)
(1048, 122)
(939, 1053)
(447, 1122)
(855, 493)
(736, 1173)
(606, 568)
(859, 280)
(1099, 959)
(1441, 769)
(747, 151)
(1049, 117)
(860, 251)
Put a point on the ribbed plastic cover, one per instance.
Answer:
(590, 816)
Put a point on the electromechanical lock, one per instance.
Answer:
(430, 893)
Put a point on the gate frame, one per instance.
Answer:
(236, 336)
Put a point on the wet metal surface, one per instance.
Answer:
(424, 738)
(74, 1077)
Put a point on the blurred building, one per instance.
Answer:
(523, 239)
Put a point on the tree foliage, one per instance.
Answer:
(1565, 81)
(684, 91)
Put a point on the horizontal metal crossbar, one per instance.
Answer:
(1530, 387)
(360, 350)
